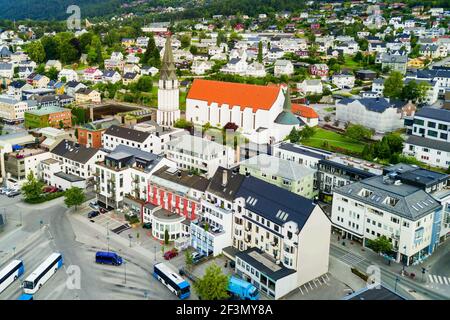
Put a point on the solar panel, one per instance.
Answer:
(420, 206)
(285, 216)
(415, 208)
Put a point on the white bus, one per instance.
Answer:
(11, 273)
(40, 275)
(172, 280)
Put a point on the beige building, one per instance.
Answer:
(86, 95)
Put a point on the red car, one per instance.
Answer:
(49, 189)
(170, 254)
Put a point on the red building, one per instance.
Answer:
(177, 191)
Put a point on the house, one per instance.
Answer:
(385, 206)
(282, 238)
(394, 62)
(366, 75)
(196, 153)
(111, 76)
(70, 165)
(379, 114)
(92, 74)
(294, 177)
(15, 89)
(320, 70)
(90, 134)
(235, 66)
(343, 80)
(275, 53)
(6, 70)
(24, 72)
(256, 69)
(283, 67)
(73, 86)
(67, 75)
(263, 113)
(149, 71)
(130, 77)
(201, 67)
(86, 95)
(13, 110)
(307, 114)
(153, 140)
(53, 64)
(310, 87)
(114, 64)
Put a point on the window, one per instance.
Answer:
(431, 124)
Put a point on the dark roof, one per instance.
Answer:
(436, 114)
(73, 151)
(69, 177)
(183, 178)
(261, 267)
(375, 104)
(360, 172)
(429, 143)
(373, 293)
(415, 176)
(302, 150)
(126, 133)
(228, 191)
(270, 201)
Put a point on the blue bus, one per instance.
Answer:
(111, 258)
(242, 289)
(11, 273)
(172, 280)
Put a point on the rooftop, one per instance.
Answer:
(47, 110)
(436, 114)
(73, 151)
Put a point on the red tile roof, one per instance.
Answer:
(304, 111)
(234, 94)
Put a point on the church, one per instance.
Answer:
(262, 113)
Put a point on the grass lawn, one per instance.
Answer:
(330, 109)
(350, 64)
(335, 140)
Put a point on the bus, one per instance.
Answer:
(172, 280)
(40, 275)
(10, 273)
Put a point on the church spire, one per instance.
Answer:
(168, 70)
(287, 100)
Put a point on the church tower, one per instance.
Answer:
(168, 94)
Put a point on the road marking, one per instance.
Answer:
(445, 280)
(300, 288)
(440, 279)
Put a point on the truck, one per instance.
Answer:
(242, 289)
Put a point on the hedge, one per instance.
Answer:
(360, 274)
(45, 197)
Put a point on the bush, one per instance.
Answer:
(360, 274)
(132, 219)
(44, 197)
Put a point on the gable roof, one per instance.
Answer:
(274, 203)
(228, 192)
(126, 133)
(304, 111)
(234, 94)
(433, 113)
(73, 151)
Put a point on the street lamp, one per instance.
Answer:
(396, 281)
(129, 237)
(125, 265)
(406, 260)
(107, 239)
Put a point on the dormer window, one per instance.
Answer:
(365, 193)
(391, 201)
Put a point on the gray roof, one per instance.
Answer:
(371, 293)
(389, 58)
(123, 151)
(274, 203)
(433, 113)
(429, 143)
(69, 177)
(126, 133)
(278, 167)
(412, 202)
(228, 191)
(374, 104)
(73, 151)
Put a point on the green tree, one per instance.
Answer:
(395, 142)
(358, 132)
(384, 152)
(166, 237)
(294, 136)
(36, 52)
(393, 86)
(185, 40)
(193, 50)
(213, 285)
(260, 52)
(189, 261)
(61, 124)
(51, 47)
(73, 197)
(32, 188)
(380, 244)
(52, 73)
(307, 132)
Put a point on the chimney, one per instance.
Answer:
(224, 178)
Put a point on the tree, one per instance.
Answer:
(307, 132)
(61, 124)
(32, 188)
(294, 136)
(188, 259)
(74, 197)
(380, 244)
(213, 285)
(358, 132)
(260, 52)
(36, 52)
(185, 40)
(51, 47)
(393, 86)
(193, 50)
(52, 73)
(166, 237)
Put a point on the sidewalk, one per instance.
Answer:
(366, 253)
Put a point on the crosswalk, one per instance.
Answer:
(438, 279)
(352, 259)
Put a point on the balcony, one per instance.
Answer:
(203, 224)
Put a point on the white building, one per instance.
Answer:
(68, 74)
(283, 67)
(343, 81)
(384, 206)
(310, 86)
(13, 111)
(192, 152)
(376, 113)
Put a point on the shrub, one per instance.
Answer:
(360, 274)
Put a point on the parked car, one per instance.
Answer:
(3, 190)
(197, 256)
(102, 210)
(93, 214)
(147, 225)
(9, 191)
(13, 194)
(170, 254)
(94, 205)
